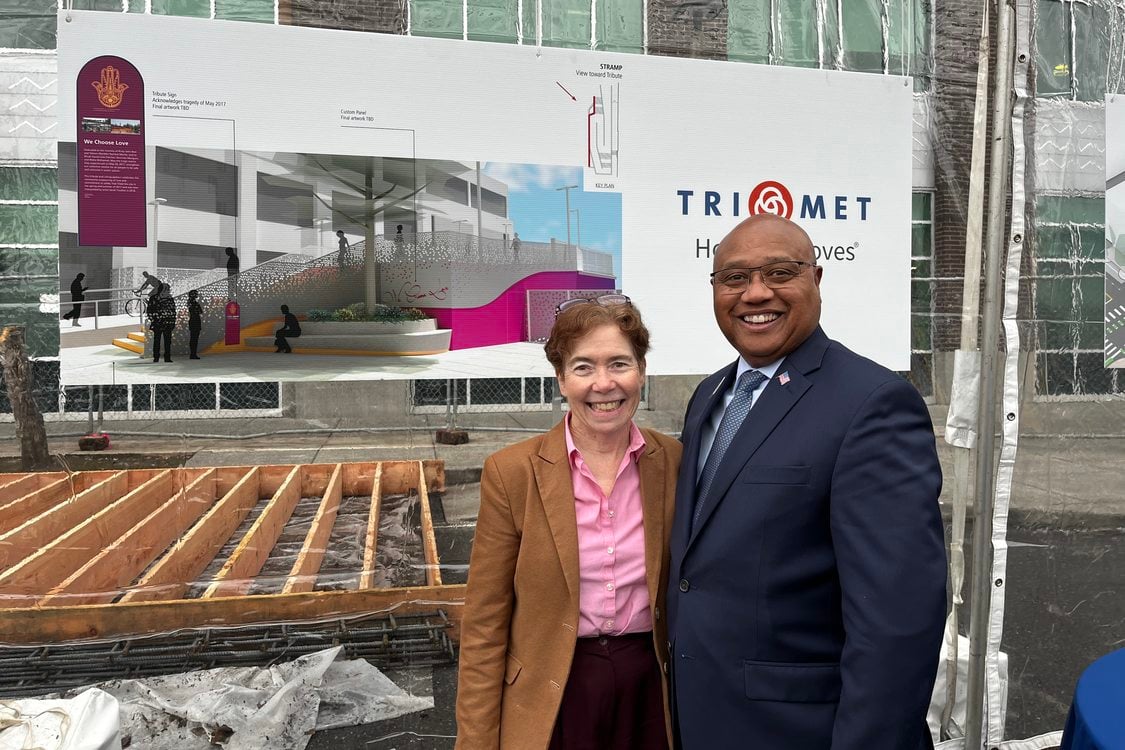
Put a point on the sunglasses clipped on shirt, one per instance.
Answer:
(605, 300)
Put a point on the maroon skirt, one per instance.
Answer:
(613, 698)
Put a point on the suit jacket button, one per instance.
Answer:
(684, 585)
(665, 667)
(656, 613)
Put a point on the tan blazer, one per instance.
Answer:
(521, 610)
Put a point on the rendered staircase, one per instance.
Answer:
(134, 342)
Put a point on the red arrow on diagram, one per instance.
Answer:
(564, 89)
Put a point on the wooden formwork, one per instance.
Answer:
(105, 554)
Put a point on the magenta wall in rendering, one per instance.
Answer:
(504, 320)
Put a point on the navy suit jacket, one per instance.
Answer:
(806, 607)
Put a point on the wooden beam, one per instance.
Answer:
(371, 539)
(99, 581)
(250, 555)
(15, 486)
(314, 479)
(170, 576)
(105, 621)
(36, 533)
(429, 541)
(22, 509)
(38, 573)
(303, 575)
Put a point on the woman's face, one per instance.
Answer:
(601, 379)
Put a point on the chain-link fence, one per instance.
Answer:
(148, 400)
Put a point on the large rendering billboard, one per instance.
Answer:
(420, 206)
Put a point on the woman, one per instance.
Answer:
(563, 637)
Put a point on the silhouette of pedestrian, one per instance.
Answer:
(516, 247)
(162, 321)
(232, 273)
(77, 294)
(195, 322)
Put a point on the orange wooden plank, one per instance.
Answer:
(170, 576)
(38, 500)
(371, 539)
(107, 621)
(429, 540)
(38, 532)
(252, 552)
(15, 486)
(99, 581)
(303, 575)
(36, 574)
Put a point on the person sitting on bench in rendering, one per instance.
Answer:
(291, 329)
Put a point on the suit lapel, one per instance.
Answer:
(773, 404)
(651, 468)
(556, 492)
(710, 394)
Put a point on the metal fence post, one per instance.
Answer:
(89, 410)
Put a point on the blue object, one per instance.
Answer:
(1097, 716)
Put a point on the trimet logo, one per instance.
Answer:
(772, 197)
(111, 91)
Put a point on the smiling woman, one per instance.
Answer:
(572, 526)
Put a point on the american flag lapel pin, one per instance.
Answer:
(783, 378)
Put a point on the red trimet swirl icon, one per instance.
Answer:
(771, 197)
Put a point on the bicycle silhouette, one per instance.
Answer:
(136, 306)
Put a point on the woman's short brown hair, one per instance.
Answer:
(575, 322)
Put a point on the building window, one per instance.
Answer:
(1072, 44)
(1068, 293)
(610, 25)
(922, 293)
(889, 37)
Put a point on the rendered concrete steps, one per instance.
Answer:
(370, 344)
(134, 342)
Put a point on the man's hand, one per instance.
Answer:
(110, 89)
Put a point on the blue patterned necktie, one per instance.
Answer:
(732, 419)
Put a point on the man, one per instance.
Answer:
(232, 272)
(516, 247)
(195, 322)
(154, 283)
(162, 317)
(806, 596)
(290, 328)
(77, 295)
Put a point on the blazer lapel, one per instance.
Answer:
(772, 406)
(556, 492)
(651, 467)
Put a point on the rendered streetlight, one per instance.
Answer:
(567, 188)
(156, 203)
(578, 224)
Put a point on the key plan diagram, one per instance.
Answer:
(602, 138)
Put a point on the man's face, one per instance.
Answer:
(763, 323)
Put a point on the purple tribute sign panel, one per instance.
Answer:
(111, 154)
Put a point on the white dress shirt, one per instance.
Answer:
(711, 426)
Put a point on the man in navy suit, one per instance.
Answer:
(807, 596)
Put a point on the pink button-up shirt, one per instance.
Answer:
(613, 593)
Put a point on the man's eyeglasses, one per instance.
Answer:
(774, 275)
(604, 300)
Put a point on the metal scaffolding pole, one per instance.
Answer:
(996, 236)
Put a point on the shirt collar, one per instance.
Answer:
(636, 442)
(768, 370)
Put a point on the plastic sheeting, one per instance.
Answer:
(88, 721)
(251, 708)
